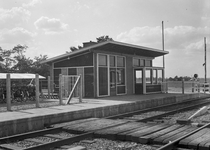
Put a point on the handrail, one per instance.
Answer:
(72, 91)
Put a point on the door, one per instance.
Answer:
(138, 81)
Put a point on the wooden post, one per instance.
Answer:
(60, 89)
(80, 89)
(49, 87)
(37, 90)
(8, 86)
(182, 86)
(144, 81)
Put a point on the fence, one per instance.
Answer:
(70, 86)
(187, 87)
(15, 94)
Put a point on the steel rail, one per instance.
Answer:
(152, 109)
(174, 143)
(60, 142)
(171, 112)
(29, 134)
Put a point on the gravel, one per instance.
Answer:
(46, 139)
(104, 144)
(65, 134)
(24, 144)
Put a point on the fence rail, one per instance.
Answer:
(187, 87)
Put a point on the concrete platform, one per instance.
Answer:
(34, 119)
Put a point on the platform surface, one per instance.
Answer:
(86, 104)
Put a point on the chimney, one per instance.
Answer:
(85, 44)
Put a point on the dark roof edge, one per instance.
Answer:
(84, 49)
(98, 45)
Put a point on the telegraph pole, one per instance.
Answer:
(163, 50)
(205, 57)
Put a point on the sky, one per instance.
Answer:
(50, 27)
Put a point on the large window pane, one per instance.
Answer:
(121, 76)
(112, 61)
(148, 77)
(138, 76)
(103, 81)
(160, 76)
(112, 77)
(154, 77)
(120, 61)
(102, 60)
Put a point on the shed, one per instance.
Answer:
(111, 68)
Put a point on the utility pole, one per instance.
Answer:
(163, 50)
(205, 57)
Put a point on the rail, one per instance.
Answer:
(174, 143)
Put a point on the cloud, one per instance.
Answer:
(50, 25)
(32, 3)
(16, 35)
(178, 38)
(184, 43)
(13, 17)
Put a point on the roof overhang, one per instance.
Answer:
(20, 76)
(116, 47)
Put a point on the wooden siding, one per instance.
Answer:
(82, 60)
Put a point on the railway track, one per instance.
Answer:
(119, 127)
(136, 116)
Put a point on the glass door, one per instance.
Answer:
(138, 81)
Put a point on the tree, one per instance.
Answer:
(42, 69)
(15, 61)
(7, 60)
(103, 39)
(23, 64)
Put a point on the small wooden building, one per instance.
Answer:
(111, 68)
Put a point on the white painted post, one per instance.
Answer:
(37, 90)
(8, 87)
(144, 81)
(49, 87)
(60, 89)
(182, 86)
(80, 89)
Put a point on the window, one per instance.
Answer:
(160, 76)
(154, 76)
(112, 77)
(135, 62)
(120, 76)
(120, 61)
(102, 60)
(148, 76)
(112, 61)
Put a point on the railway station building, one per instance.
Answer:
(111, 68)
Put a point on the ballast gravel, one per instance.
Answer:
(105, 144)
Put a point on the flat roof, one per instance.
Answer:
(20, 76)
(114, 46)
